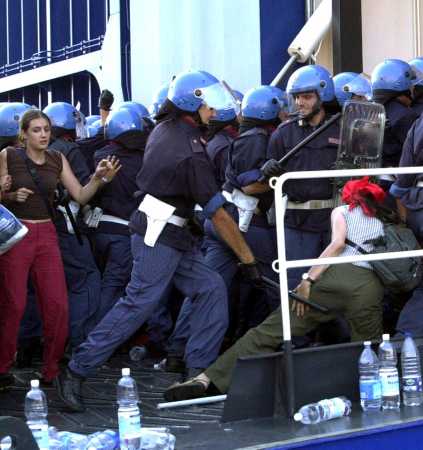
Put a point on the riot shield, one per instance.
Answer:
(361, 139)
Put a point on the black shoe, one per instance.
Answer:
(6, 381)
(174, 364)
(185, 391)
(68, 387)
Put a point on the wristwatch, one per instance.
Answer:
(306, 277)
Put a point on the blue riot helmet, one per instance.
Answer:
(93, 128)
(159, 99)
(417, 66)
(339, 81)
(282, 97)
(313, 78)
(359, 87)
(10, 115)
(392, 75)
(138, 108)
(122, 121)
(89, 120)
(260, 103)
(65, 118)
(189, 90)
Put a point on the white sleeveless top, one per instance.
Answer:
(360, 228)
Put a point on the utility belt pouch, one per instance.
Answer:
(92, 217)
(158, 214)
(74, 209)
(246, 205)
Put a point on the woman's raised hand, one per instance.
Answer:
(107, 168)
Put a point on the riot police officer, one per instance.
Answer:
(127, 135)
(307, 220)
(176, 174)
(391, 86)
(417, 91)
(82, 275)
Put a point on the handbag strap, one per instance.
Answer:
(37, 181)
(356, 247)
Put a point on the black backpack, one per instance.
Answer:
(398, 275)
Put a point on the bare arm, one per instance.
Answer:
(337, 244)
(21, 194)
(229, 232)
(106, 168)
(256, 188)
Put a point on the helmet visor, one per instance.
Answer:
(359, 86)
(217, 96)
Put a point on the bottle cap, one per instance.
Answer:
(298, 416)
(367, 343)
(386, 337)
(126, 371)
(35, 383)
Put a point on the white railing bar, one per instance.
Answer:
(280, 206)
(354, 258)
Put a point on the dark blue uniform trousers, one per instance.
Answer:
(220, 258)
(154, 269)
(83, 281)
(113, 252)
(303, 245)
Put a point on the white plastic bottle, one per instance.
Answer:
(36, 415)
(128, 413)
(370, 386)
(411, 373)
(323, 410)
(388, 373)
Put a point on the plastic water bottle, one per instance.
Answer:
(323, 410)
(104, 440)
(388, 373)
(411, 373)
(128, 412)
(72, 441)
(36, 414)
(157, 439)
(138, 353)
(370, 386)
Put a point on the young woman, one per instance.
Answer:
(38, 254)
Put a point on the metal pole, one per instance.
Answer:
(284, 70)
(193, 401)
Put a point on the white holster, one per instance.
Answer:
(92, 217)
(74, 207)
(158, 214)
(246, 205)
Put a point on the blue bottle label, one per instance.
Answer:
(370, 390)
(412, 383)
(40, 433)
(129, 424)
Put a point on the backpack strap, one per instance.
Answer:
(356, 247)
(32, 169)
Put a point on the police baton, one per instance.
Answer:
(305, 141)
(296, 297)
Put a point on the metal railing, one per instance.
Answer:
(45, 57)
(281, 264)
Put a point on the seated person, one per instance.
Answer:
(351, 290)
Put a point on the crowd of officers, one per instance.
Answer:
(172, 207)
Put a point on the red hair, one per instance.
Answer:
(359, 192)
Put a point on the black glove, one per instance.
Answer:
(106, 100)
(252, 273)
(271, 169)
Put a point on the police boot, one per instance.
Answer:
(68, 387)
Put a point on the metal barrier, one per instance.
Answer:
(281, 264)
